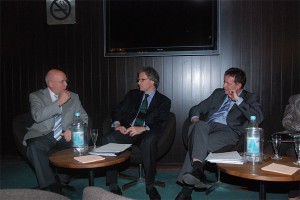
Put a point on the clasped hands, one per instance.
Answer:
(131, 131)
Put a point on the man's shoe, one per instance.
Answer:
(153, 194)
(56, 188)
(116, 190)
(196, 179)
(182, 196)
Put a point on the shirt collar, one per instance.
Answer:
(52, 95)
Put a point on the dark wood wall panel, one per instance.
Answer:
(261, 37)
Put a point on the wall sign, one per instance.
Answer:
(60, 12)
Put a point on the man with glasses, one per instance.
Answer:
(139, 119)
(53, 110)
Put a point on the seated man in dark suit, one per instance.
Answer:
(140, 119)
(218, 121)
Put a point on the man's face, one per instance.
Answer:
(145, 84)
(58, 82)
(229, 85)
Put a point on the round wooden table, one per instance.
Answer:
(254, 172)
(65, 159)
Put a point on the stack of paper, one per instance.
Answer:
(227, 157)
(111, 149)
(283, 169)
(88, 158)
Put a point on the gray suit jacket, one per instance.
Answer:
(43, 111)
(238, 117)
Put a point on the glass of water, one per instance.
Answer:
(94, 136)
(276, 141)
(297, 149)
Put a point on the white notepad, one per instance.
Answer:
(89, 158)
(278, 168)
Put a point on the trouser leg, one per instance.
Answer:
(148, 147)
(37, 152)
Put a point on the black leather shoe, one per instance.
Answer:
(153, 194)
(116, 190)
(181, 196)
(56, 188)
(196, 179)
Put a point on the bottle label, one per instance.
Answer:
(78, 139)
(253, 145)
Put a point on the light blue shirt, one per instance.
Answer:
(222, 118)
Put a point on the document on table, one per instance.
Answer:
(88, 158)
(278, 168)
(111, 149)
(232, 157)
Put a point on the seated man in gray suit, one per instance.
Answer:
(218, 121)
(53, 110)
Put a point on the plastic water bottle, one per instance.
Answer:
(78, 134)
(253, 142)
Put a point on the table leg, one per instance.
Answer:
(262, 190)
(91, 177)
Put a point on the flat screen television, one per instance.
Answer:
(160, 27)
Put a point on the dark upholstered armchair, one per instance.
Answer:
(163, 146)
(20, 124)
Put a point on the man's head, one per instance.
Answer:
(56, 81)
(234, 79)
(147, 79)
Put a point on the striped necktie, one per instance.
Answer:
(57, 129)
(224, 108)
(139, 121)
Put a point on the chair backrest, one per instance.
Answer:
(168, 136)
(239, 146)
(20, 124)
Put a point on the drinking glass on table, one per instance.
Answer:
(94, 136)
(276, 141)
(297, 149)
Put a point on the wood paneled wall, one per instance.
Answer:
(261, 37)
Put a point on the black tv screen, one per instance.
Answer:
(160, 27)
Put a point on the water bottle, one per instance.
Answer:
(253, 142)
(79, 134)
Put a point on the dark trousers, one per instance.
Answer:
(38, 150)
(147, 143)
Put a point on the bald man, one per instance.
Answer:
(46, 105)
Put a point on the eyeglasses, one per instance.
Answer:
(141, 79)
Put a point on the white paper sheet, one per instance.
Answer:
(232, 157)
(111, 149)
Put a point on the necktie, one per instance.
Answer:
(224, 108)
(139, 121)
(57, 129)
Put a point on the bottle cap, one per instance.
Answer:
(253, 118)
(77, 114)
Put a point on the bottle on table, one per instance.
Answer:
(79, 134)
(254, 142)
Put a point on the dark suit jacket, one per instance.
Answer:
(157, 112)
(238, 117)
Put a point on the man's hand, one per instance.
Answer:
(195, 119)
(120, 128)
(233, 95)
(63, 97)
(67, 134)
(135, 130)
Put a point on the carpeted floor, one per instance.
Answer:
(18, 174)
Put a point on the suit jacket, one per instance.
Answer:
(238, 116)
(43, 111)
(157, 113)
